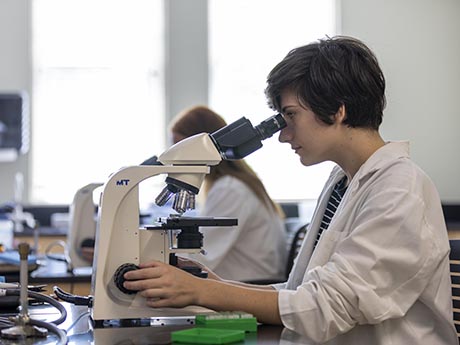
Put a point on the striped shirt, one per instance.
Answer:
(334, 201)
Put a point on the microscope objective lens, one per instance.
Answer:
(163, 197)
(191, 201)
(180, 201)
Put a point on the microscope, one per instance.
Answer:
(82, 225)
(121, 243)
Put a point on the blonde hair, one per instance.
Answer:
(201, 119)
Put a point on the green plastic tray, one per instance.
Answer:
(228, 320)
(207, 336)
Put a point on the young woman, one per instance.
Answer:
(255, 249)
(374, 266)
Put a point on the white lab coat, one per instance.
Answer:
(380, 272)
(256, 248)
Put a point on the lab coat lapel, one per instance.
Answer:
(335, 232)
(303, 261)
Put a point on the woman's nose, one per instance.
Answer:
(285, 134)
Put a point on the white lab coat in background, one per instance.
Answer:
(256, 248)
(380, 272)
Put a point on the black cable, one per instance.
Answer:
(52, 328)
(43, 298)
(5, 322)
(71, 298)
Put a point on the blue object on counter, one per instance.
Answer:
(12, 257)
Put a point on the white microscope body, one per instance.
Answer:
(82, 224)
(119, 238)
(120, 241)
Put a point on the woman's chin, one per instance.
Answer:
(307, 162)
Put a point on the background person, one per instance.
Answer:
(255, 249)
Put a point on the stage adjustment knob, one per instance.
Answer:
(118, 277)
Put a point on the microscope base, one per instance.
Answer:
(162, 321)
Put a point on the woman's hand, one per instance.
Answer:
(164, 285)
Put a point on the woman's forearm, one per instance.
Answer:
(247, 285)
(224, 296)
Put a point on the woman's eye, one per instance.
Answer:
(290, 115)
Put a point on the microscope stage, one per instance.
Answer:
(170, 223)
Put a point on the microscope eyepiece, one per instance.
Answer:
(240, 138)
(270, 126)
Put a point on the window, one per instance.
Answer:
(247, 39)
(98, 91)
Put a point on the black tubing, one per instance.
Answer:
(43, 298)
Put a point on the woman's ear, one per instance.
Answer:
(341, 115)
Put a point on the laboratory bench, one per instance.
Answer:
(79, 330)
(45, 233)
(51, 272)
(42, 237)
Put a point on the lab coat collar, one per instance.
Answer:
(391, 151)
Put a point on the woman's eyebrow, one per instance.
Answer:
(283, 109)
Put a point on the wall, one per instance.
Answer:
(186, 65)
(186, 55)
(417, 43)
(15, 74)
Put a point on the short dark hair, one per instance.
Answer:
(329, 73)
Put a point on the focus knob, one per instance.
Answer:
(119, 279)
